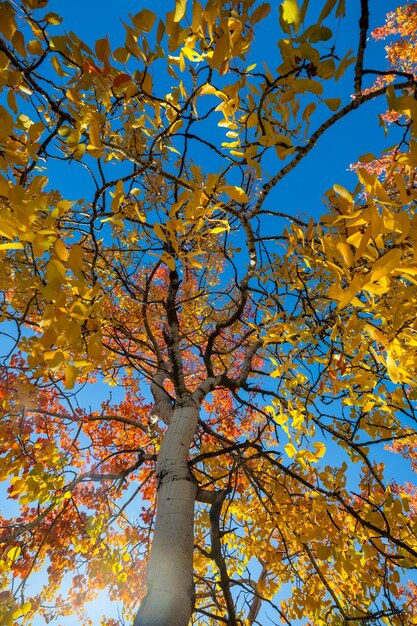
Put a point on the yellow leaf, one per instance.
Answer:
(94, 134)
(346, 252)
(7, 21)
(75, 260)
(259, 14)
(56, 355)
(56, 65)
(290, 450)
(291, 12)
(18, 42)
(53, 18)
(144, 20)
(78, 311)
(197, 16)
(208, 90)
(235, 193)
(38, 184)
(168, 260)
(350, 292)
(147, 83)
(391, 98)
(180, 7)
(367, 180)
(405, 498)
(376, 334)
(343, 65)
(71, 373)
(160, 32)
(328, 7)
(13, 553)
(121, 55)
(25, 608)
(6, 123)
(333, 103)
(55, 271)
(95, 348)
(159, 232)
(320, 449)
(79, 151)
(362, 242)
(191, 258)
(141, 216)
(307, 84)
(341, 191)
(386, 264)
(61, 250)
(218, 229)
(35, 47)
(221, 52)
(11, 246)
(392, 368)
(102, 49)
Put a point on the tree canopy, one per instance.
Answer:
(203, 395)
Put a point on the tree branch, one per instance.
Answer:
(303, 151)
(363, 32)
(217, 556)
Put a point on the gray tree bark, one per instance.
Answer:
(170, 589)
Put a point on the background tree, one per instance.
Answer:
(280, 355)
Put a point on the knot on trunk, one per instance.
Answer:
(163, 406)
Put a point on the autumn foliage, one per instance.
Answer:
(158, 301)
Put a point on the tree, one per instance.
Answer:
(267, 364)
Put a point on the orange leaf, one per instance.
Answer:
(120, 80)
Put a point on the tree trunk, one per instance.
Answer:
(170, 593)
